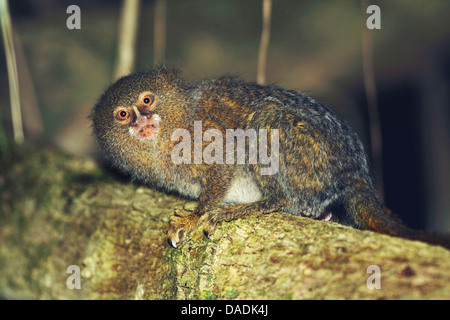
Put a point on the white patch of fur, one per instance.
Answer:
(157, 118)
(243, 189)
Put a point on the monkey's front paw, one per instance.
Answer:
(183, 221)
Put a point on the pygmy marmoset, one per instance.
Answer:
(170, 133)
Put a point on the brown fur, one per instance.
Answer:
(323, 167)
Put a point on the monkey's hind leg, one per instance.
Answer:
(212, 210)
(186, 221)
(273, 199)
(232, 212)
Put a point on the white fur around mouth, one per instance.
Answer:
(136, 135)
(135, 132)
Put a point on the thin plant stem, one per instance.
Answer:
(13, 78)
(128, 27)
(264, 43)
(372, 106)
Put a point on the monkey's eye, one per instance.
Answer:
(147, 100)
(122, 114)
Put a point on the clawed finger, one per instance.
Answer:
(183, 221)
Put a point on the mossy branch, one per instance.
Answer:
(57, 211)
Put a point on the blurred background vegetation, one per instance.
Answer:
(315, 46)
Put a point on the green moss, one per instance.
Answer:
(208, 295)
(288, 297)
(232, 294)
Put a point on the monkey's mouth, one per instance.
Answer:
(146, 127)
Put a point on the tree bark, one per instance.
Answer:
(58, 210)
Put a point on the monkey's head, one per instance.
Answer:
(128, 116)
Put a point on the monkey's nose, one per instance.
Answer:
(136, 111)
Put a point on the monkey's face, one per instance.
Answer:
(135, 104)
(133, 114)
(127, 113)
(139, 117)
(128, 117)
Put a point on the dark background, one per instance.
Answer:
(315, 47)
